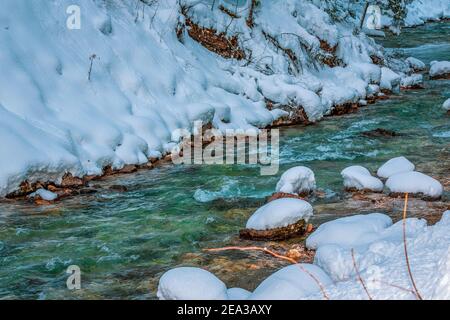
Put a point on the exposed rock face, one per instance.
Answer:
(283, 233)
(70, 181)
(380, 132)
(344, 109)
(280, 195)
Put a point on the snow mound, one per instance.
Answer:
(188, 283)
(411, 81)
(297, 180)
(446, 105)
(415, 182)
(280, 213)
(416, 64)
(439, 68)
(352, 231)
(389, 80)
(44, 195)
(394, 166)
(238, 294)
(382, 262)
(291, 283)
(360, 178)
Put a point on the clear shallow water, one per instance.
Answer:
(124, 241)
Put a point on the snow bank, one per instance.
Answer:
(389, 80)
(291, 283)
(420, 11)
(360, 178)
(439, 68)
(415, 182)
(297, 180)
(280, 213)
(381, 263)
(44, 195)
(352, 231)
(238, 294)
(446, 105)
(146, 81)
(394, 166)
(187, 283)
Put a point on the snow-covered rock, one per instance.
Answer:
(394, 166)
(439, 68)
(413, 80)
(280, 213)
(416, 64)
(44, 195)
(291, 283)
(297, 180)
(389, 80)
(238, 294)
(352, 231)
(360, 178)
(188, 283)
(446, 105)
(415, 182)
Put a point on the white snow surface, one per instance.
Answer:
(415, 182)
(412, 80)
(44, 195)
(382, 265)
(145, 83)
(189, 283)
(416, 64)
(352, 231)
(291, 283)
(446, 105)
(439, 68)
(389, 80)
(360, 178)
(297, 180)
(394, 166)
(238, 294)
(280, 213)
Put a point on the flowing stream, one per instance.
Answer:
(124, 241)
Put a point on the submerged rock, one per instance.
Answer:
(380, 132)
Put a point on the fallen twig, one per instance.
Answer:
(359, 275)
(406, 249)
(276, 255)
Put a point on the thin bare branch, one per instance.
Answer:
(406, 249)
(276, 255)
(359, 275)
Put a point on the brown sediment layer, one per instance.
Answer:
(282, 233)
(281, 195)
(445, 76)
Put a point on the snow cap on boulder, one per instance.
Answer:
(394, 166)
(415, 182)
(416, 64)
(349, 231)
(389, 80)
(280, 213)
(439, 68)
(44, 195)
(188, 283)
(446, 105)
(291, 283)
(297, 180)
(360, 178)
